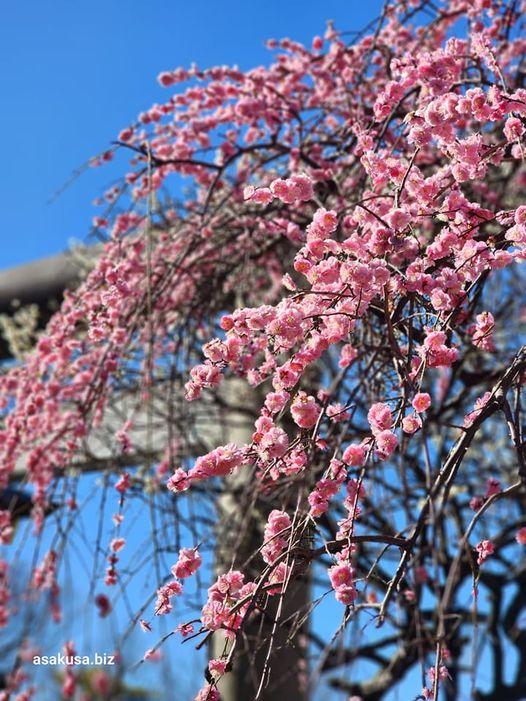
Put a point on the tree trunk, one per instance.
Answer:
(272, 663)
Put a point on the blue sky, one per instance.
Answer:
(73, 73)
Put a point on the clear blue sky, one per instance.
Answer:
(73, 73)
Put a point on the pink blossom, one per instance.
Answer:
(475, 503)
(421, 402)
(217, 668)
(492, 487)
(411, 423)
(69, 685)
(323, 223)
(281, 188)
(123, 483)
(482, 331)
(355, 454)
(379, 417)
(222, 597)
(185, 629)
(342, 581)
(219, 462)
(278, 579)
(346, 594)
(347, 355)
(319, 498)
(435, 351)
(317, 43)
(355, 490)
(337, 412)
(386, 443)
(275, 401)
(480, 403)
(117, 544)
(302, 187)
(398, 219)
(276, 535)
(163, 604)
(442, 673)
(341, 574)
(513, 129)
(103, 604)
(166, 79)
(304, 409)
(485, 548)
(189, 562)
(298, 188)
(261, 195)
(125, 135)
(179, 481)
(520, 215)
(272, 443)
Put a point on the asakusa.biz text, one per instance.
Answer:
(61, 659)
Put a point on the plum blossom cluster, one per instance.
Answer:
(381, 421)
(165, 594)
(326, 488)
(484, 549)
(304, 410)
(276, 535)
(342, 575)
(219, 462)
(493, 486)
(435, 351)
(340, 223)
(342, 578)
(187, 564)
(443, 673)
(228, 601)
(482, 331)
(413, 422)
(298, 188)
